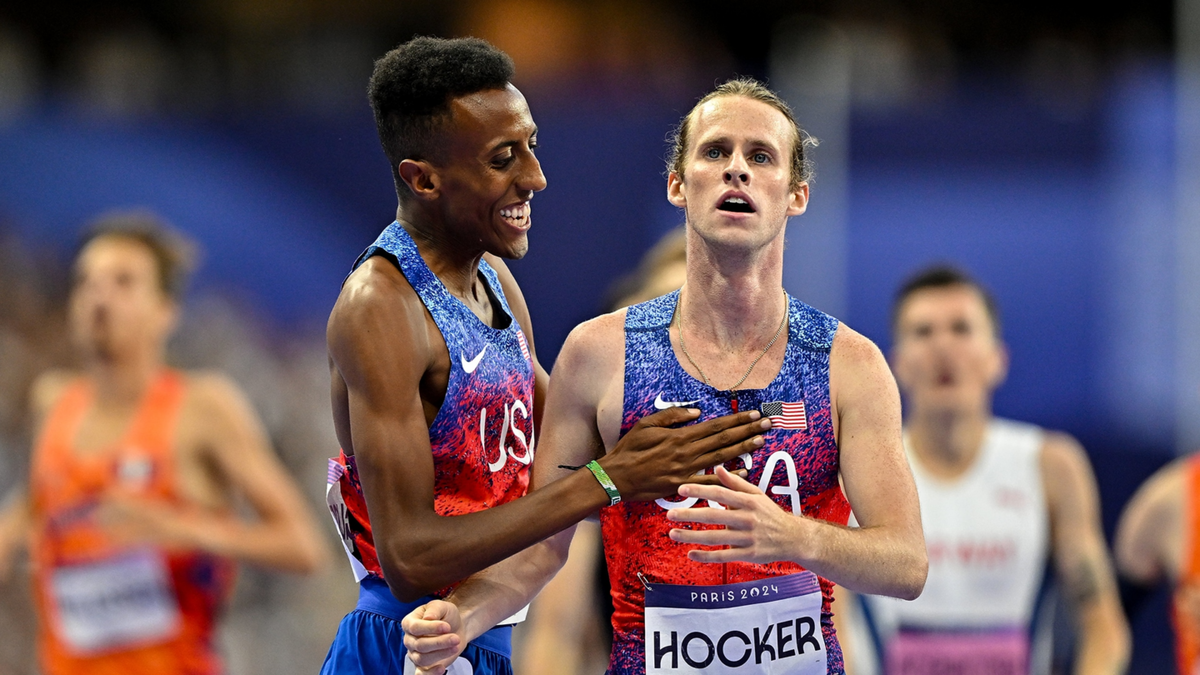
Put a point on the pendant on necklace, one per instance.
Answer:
(734, 402)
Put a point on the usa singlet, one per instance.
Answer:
(108, 608)
(675, 615)
(987, 535)
(482, 440)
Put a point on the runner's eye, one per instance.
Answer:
(502, 162)
(760, 157)
(712, 153)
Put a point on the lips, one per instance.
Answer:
(735, 201)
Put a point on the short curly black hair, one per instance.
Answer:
(412, 85)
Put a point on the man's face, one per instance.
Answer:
(736, 188)
(117, 306)
(947, 356)
(488, 172)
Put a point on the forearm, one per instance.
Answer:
(501, 590)
(436, 551)
(879, 560)
(275, 544)
(1104, 642)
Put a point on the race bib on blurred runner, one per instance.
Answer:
(766, 627)
(1003, 652)
(115, 603)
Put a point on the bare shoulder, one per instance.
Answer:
(216, 406)
(1064, 458)
(375, 303)
(857, 367)
(596, 345)
(1164, 489)
(47, 388)
(855, 352)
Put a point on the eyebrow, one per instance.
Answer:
(754, 143)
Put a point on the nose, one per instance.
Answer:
(532, 179)
(737, 172)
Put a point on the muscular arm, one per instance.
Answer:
(886, 555)
(16, 515)
(1148, 543)
(1081, 558)
(381, 349)
(280, 535)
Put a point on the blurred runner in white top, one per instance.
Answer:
(999, 500)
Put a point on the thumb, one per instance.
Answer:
(735, 482)
(434, 611)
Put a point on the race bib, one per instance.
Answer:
(766, 627)
(967, 653)
(115, 603)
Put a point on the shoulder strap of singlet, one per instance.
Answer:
(156, 421)
(814, 329)
(651, 315)
(58, 430)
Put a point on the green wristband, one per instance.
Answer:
(605, 482)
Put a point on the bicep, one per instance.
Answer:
(1155, 510)
(243, 451)
(380, 350)
(875, 473)
(1080, 554)
(570, 434)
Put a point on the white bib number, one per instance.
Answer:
(766, 627)
(115, 603)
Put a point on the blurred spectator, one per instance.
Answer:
(274, 624)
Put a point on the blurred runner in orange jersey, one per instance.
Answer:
(1157, 541)
(129, 511)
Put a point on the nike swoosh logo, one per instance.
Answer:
(660, 404)
(471, 365)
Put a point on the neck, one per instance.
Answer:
(947, 443)
(456, 263)
(733, 299)
(123, 381)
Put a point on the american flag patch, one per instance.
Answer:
(335, 471)
(785, 415)
(524, 346)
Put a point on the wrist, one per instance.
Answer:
(605, 481)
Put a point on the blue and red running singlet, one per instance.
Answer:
(797, 467)
(482, 441)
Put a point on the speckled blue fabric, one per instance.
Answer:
(797, 468)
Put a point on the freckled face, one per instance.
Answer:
(947, 356)
(489, 173)
(736, 188)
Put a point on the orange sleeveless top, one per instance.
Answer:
(106, 608)
(1187, 623)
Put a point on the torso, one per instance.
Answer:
(987, 537)
(152, 450)
(481, 431)
(797, 467)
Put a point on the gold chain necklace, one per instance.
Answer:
(683, 347)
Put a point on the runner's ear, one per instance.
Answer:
(421, 178)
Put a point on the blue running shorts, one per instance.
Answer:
(369, 640)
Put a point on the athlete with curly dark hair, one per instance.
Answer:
(436, 387)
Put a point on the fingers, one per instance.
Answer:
(669, 417)
(734, 499)
(432, 645)
(710, 479)
(728, 453)
(736, 481)
(736, 423)
(709, 516)
(424, 621)
(724, 537)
